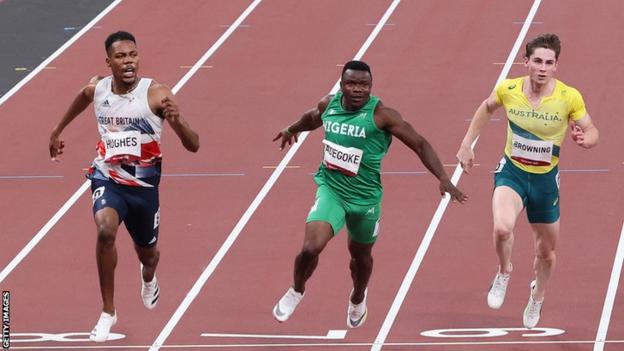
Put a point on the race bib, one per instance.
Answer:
(122, 144)
(531, 152)
(343, 159)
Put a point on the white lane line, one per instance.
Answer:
(58, 52)
(229, 241)
(46, 228)
(319, 345)
(603, 327)
(435, 221)
(331, 335)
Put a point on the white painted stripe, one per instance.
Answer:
(43, 231)
(319, 345)
(605, 318)
(46, 228)
(229, 241)
(331, 335)
(435, 221)
(58, 52)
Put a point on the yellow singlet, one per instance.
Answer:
(534, 136)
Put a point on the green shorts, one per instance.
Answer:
(362, 221)
(539, 192)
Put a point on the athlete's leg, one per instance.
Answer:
(361, 268)
(107, 223)
(317, 235)
(546, 235)
(506, 206)
(149, 257)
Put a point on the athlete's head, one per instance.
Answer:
(122, 57)
(356, 83)
(541, 57)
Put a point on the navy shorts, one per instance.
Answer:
(137, 207)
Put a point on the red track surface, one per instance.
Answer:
(434, 61)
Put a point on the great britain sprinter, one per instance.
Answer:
(130, 111)
(539, 110)
(358, 131)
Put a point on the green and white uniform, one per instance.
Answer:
(349, 178)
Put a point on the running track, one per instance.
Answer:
(434, 61)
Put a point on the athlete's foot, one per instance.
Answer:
(286, 305)
(102, 329)
(357, 313)
(496, 294)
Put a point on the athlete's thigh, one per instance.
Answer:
(363, 222)
(327, 208)
(106, 195)
(543, 198)
(508, 199)
(143, 218)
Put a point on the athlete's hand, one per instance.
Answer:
(577, 134)
(456, 195)
(56, 146)
(465, 156)
(287, 137)
(170, 110)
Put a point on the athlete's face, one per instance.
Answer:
(356, 87)
(123, 59)
(542, 65)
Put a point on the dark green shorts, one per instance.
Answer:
(362, 221)
(539, 192)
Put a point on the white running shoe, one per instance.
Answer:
(102, 328)
(150, 292)
(532, 311)
(496, 295)
(286, 305)
(356, 314)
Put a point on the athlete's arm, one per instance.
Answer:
(484, 112)
(390, 120)
(80, 103)
(310, 120)
(163, 104)
(584, 132)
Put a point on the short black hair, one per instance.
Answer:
(117, 36)
(356, 66)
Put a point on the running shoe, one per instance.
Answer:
(496, 295)
(150, 292)
(356, 313)
(286, 305)
(102, 328)
(532, 311)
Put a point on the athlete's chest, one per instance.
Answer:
(549, 114)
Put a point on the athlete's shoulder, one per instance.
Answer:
(567, 91)
(510, 85)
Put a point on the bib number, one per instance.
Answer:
(343, 159)
(122, 145)
(531, 152)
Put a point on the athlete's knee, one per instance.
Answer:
(311, 248)
(362, 260)
(545, 255)
(503, 232)
(106, 234)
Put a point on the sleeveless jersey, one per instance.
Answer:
(129, 149)
(534, 135)
(353, 149)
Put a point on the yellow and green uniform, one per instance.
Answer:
(534, 137)
(349, 177)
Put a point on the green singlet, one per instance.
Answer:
(352, 152)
